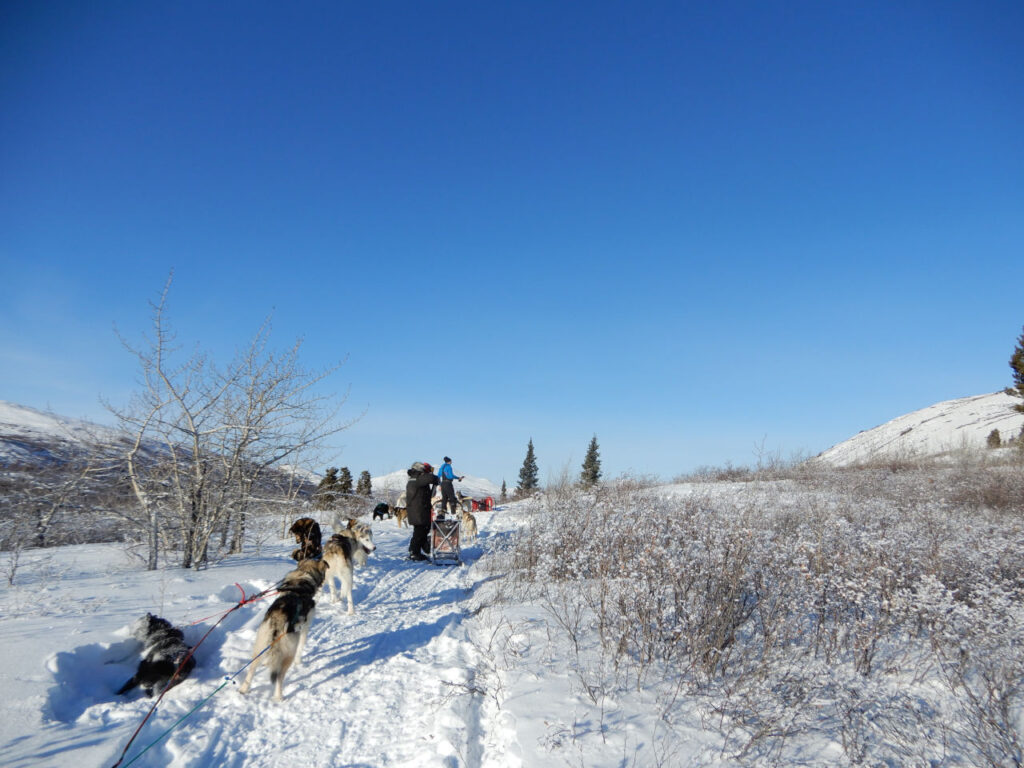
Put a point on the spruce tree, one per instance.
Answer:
(528, 473)
(344, 482)
(365, 485)
(504, 491)
(591, 466)
(326, 489)
(994, 439)
(1017, 366)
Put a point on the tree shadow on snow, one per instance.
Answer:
(57, 740)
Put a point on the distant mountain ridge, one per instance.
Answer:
(937, 430)
(30, 437)
(474, 487)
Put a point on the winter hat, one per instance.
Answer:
(417, 466)
(447, 460)
(427, 467)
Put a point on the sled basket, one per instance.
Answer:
(444, 541)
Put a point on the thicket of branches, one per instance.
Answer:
(885, 607)
(204, 435)
(74, 497)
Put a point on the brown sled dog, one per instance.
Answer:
(285, 625)
(469, 529)
(307, 534)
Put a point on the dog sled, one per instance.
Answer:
(444, 540)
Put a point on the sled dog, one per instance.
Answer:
(468, 526)
(343, 552)
(382, 510)
(163, 651)
(400, 511)
(307, 535)
(285, 625)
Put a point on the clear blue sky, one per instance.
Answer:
(690, 228)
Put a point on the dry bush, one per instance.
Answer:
(831, 599)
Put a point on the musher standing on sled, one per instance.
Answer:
(418, 491)
(447, 488)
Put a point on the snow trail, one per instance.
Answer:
(373, 688)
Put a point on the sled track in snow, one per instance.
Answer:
(392, 656)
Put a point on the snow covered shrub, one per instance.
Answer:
(979, 645)
(832, 602)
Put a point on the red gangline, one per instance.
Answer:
(170, 683)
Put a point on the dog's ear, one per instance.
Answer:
(351, 522)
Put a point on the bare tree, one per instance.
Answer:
(205, 435)
(67, 498)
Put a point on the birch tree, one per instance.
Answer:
(203, 435)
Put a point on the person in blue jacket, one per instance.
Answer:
(448, 477)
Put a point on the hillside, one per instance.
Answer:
(34, 441)
(29, 436)
(475, 487)
(937, 430)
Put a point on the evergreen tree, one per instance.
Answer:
(365, 485)
(591, 466)
(344, 482)
(504, 491)
(1017, 366)
(528, 473)
(326, 489)
(994, 439)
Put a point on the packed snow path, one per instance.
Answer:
(368, 692)
(385, 686)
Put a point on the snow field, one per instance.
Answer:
(826, 617)
(375, 688)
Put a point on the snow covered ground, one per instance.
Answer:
(387, 686)
(458, 666)
(424, 674)
(436, 667)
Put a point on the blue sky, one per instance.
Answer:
(696, 230)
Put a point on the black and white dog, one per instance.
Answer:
(281, 636)
(163, 651)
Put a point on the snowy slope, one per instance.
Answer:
(936, 430)
(474, 487)
(27, 434)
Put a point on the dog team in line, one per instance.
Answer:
(282, 633)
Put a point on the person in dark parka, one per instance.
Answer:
(418, 492)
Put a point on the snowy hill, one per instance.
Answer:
(474, 487)
(933, 431)
(32, 437)
(28, 435)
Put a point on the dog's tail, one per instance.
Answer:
(277, 635)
